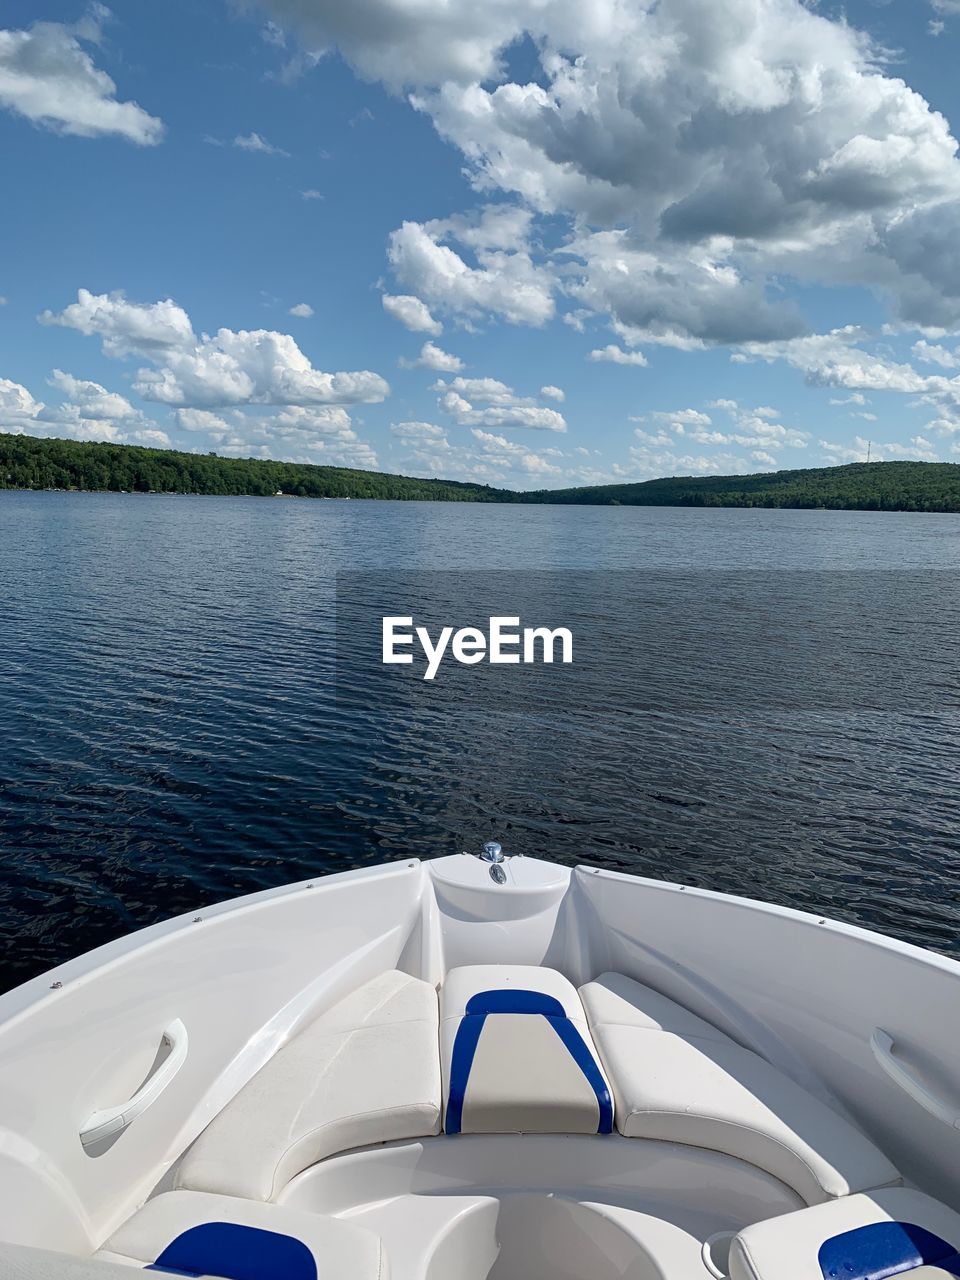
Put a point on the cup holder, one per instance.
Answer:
(716, 1253)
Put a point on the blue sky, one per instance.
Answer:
(529, 243)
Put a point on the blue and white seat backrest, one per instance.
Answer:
(883, 1249)
(516, 1061)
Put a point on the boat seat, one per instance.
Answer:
(190, 1233)
(677, 1078)
(517, 1056)
(365, 1072)
(892, 1232)
(22, 1262)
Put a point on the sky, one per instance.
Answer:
(530, 243)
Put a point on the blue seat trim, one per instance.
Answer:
(511, 1000)
(885, 1249)
(235, 1252)
(507, 1000)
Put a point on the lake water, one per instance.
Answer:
(170, 732)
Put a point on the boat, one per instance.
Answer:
(484, 1067)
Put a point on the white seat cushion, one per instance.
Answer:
(678, 1085)
(853, 1239)
(190, 1233)
(615, 998)
(517, 1056)
(366, 1072)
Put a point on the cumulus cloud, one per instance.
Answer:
(18, 408)
(684, 417)
(303, 311)
(613, 354)
(126, 328)
(699, 153)
(499, 407)
(505, 282)
(483, 456)
(48, 77)
(88, 412)
(92, 400)
(318, 434)
(201, 420)
(835, 359)
(411, 312)
(919, 450)
(433, 357)
(228, 368)
(551, 392)
(932, 353)
(417, 432)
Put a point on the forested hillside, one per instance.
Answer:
(30, 463)
(875, 486)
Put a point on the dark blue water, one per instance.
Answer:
(170, 734)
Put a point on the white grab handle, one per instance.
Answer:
(104, 1124)
(882, 1045)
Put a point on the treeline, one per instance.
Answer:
(875, 486)
(27, 462)
(30, 463)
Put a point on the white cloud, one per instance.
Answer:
(201, 420)
(684, 417)
(88, 412)
(616, 355)
(751, 428)
(418, 432)
(49, 78)
(411, 312)
(856, 397)
(150, 438)
(649, 461)
(502, 408)
(551, 392)
(3, 300)
(655, 439)
(126, 327)
(254, 142)
(91, 400)
(931, 353)
(433, 357)
(919, 450)
(230, 367)
(318, 434)
(312, 193)
(946, 6)
(303, 311)
(18, 408)
(836, 360)
(505, 283)
(699, 153)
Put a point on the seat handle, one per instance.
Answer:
(881, 1043)
(112, 1120)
